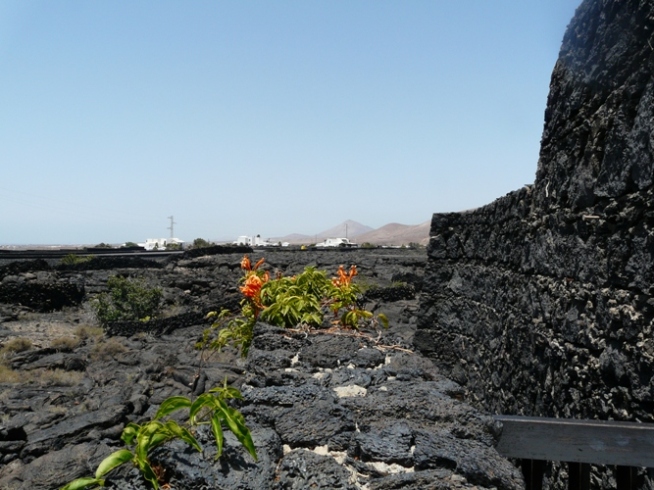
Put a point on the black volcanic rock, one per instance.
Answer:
(326, 410)
(540, 303)
(599, 120)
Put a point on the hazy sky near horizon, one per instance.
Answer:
(264, 117)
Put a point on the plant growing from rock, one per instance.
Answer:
(210, 407)
(16, 345)
(73, 259)
(65, 344)
(127, 300)
(238, 330)
(297, 300)
(106, 349)
(288, 302)
(87, 332)
(200, 243)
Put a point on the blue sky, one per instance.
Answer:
(264, 117)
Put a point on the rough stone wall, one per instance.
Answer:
(542, 302)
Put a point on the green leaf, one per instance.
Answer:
(158, 439)
(82, 483)
(200, 402)
(129, 433)
(183, 434)
(234, 421)
(216, 428)
(383, 319)
(225, 392)
(144, 439)
(172, 404)
(112, 461)
(149, 474)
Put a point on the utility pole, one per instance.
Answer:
(172, 224)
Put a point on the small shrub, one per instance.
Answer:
(57, 377)
(288, 302)
(73, 259)
(209, 408)
(8, 375)
(16, 345)
(107, 349)
(297, 300)
(65, 343)
(127, 300)
(201, 243)
(87, 332)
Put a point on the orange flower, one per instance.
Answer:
(252, 286)
(344, 278)
(247, 265)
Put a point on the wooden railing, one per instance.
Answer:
(579, 443)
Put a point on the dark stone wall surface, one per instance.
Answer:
(542, 302)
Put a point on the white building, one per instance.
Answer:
(160, 243)
(257, 241)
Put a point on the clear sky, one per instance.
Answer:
(264, 117)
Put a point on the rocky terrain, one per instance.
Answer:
(327, 409)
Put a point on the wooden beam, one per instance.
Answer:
(577, 441)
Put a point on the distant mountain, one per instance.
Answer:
(294, 238)
(347, 229)
(390, 234)
(397, 234)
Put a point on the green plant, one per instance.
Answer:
(228, 329)
(72, 259)
(145, 438)
(201, 243)
(288, 302)
(210, 407)
(127, 300)
(291, 301)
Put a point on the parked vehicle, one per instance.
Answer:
(337, 242)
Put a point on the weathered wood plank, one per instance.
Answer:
(578, 441)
